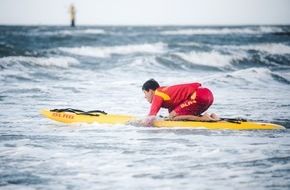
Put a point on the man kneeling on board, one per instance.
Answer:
(183, 101)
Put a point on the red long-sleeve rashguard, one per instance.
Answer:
(172, 96)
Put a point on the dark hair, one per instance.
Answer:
(150, 84)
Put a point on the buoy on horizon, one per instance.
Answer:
(72, 15)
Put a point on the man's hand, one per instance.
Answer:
(150, 120)
(172, 115)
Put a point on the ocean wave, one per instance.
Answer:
(253, 75)
(223, 31)
(250, 76)
(271, 48)
(77, 32)
(191, 44)
(93, 31)
(63, 62)
(38, 32)
(104, 52)
(212, 58)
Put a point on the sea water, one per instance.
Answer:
(104, 67)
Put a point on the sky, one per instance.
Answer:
(146, 12)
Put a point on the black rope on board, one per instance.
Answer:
(80, 112)
(234, 120)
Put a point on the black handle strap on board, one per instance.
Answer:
(234, 120)
(80, 112)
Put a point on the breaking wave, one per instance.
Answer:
(63, 62)
(103, 52)
(223, 31)
(212, 58)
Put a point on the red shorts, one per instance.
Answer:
(198, 103)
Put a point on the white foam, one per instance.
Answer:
(65, 32)
(212, 58)
(222, 31)
(270, 29)
(254, 75)
(93, 31)
(271, 48)
(108, 51)
(63, 62)
(191, 44)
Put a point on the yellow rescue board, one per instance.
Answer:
(67, 117)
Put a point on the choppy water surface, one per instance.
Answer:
(103, 68)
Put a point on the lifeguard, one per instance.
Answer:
(183, 101)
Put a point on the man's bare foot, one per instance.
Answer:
(205, 117)
(211, 117)
(214, 116)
